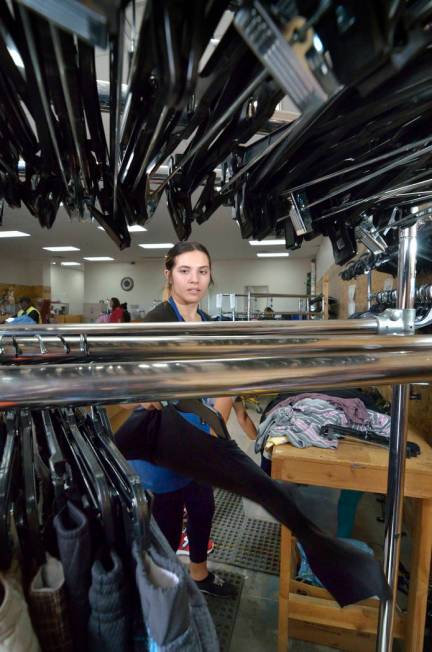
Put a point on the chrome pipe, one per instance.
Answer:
(36, 350)
(369, 289)
(87, 384)
(398, 438)
(284, 328)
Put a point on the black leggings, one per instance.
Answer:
(167, 508)
(164, 438)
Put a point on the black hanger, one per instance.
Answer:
(210, 416)
(135, 501)
(9, 469)
(89, 473)
(61, 474)
(30, 530)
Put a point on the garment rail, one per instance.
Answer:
(86, 384)
(26, 350)
(324, 327)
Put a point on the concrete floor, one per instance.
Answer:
(257, 618)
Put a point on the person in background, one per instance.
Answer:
(268, 313)
(126, 313)
(188, 276)
(27, 309)
(116, 315)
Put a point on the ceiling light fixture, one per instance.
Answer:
(69, 263)
(13, 234)
(280, 254)
(98, 259)
(157, 245)
(136, 228)
(65, 248)
(258, 243)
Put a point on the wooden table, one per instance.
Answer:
(309, 613)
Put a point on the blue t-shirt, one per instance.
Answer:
(159, 479)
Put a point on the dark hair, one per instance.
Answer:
(115, 302)
(25, 300)
(184, 248)
(126, 313)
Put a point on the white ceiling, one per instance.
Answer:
(220, 234)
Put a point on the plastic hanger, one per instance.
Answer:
(89, 473)
(135, 501)
(9, 469)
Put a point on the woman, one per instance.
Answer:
(188, 276)
(162, 444)
(116, 315)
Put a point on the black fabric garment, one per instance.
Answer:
(164, 313)
(163, 437)
(167, 509)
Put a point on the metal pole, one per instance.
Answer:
(153, 380)
(398, 438)
(248, 305)
(369, 289)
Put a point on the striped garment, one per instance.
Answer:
(300, 425)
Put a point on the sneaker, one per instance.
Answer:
(183, 549)
(216, 586)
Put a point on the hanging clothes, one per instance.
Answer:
(75, 548)
(49, 607)
(16, 629)
(109, 626)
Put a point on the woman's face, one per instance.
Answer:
(190, 277)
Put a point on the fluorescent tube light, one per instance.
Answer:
(264, 243)
(98, 259)
(281, 254)
(157, 245)
(136, 228)
(13, 234)
(69, 263)
(66, 248)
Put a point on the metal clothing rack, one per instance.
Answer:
(233, 296)
(207, 359)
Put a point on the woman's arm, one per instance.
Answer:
(225, 404)
(244, 419)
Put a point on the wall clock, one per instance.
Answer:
(127, 283)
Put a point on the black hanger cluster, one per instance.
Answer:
(49, 457)
(195, 104)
